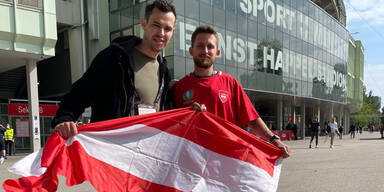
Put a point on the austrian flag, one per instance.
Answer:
(176, 150)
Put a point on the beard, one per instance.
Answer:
(157, 49)
(203, 63)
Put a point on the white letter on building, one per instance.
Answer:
(252, 49)
(188, 35)
(221, 45)
(280, 16)
(269, 5)
(238, 45)
(246, 6)
(279, 60)
(182, 36)
(269, 57)
(260, 5)
(228, 48)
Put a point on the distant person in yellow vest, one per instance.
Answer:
(9, 140)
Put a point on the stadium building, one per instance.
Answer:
(295, 59)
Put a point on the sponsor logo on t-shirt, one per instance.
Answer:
(223, 95)
(187, 95)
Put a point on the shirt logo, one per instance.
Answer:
(223, 95)
(187, 95)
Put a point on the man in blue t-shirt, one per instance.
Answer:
(314, 126)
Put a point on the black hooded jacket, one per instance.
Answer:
(108, 85)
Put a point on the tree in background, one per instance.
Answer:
(371, 107)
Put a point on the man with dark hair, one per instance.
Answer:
(314, 126)
(162, 5)
(127, 78)
(217, 92)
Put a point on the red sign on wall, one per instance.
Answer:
(21, 109)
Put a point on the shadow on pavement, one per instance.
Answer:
(370, 138)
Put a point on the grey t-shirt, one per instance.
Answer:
(146, 78)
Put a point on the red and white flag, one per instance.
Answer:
(177, 150)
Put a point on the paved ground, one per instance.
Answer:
(352, 166)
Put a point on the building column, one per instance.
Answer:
(318, 113)
(33, 102)
(77, 42)
(280, 114)
(303, 119)
(347, 120)
(293, 113)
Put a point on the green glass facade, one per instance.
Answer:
(285, 47)
(355, 75)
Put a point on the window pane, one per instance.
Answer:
(179, 6)
(192, 10)
(206, 13)
(218, 17)
(127, 17)
(114, 21)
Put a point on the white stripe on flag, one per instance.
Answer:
(30, 165)
(166, 159)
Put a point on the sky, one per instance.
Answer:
(365, 21)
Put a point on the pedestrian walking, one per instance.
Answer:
(334, 130)
(314, 126)
(352, 130)
(382, 131)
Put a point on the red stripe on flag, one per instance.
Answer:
(77, 166)
(206, 130)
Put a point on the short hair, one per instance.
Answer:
(204, 29)
(163, 5)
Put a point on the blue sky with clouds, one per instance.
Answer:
(367, 18)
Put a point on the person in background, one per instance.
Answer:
(9, 139)
(293, 127)
(2, 144)
(341, 130)
(334, 130)
(382, 130)
(314, 126)
(352, 130)
(218, 92)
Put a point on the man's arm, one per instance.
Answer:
(81, 95)
(259, 128)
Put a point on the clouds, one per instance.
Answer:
(371, 10)
(374, 79)
(359, 13)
